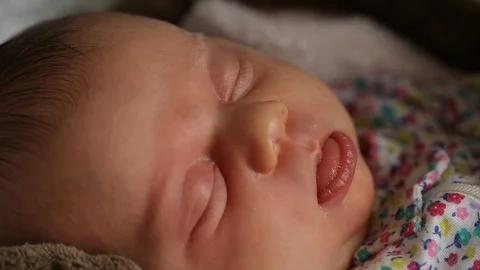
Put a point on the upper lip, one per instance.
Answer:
(319, 155)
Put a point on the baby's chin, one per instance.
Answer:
(364, 197)
(350, 247)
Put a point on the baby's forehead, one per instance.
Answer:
(121, 35)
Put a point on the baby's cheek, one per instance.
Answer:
(358, 203)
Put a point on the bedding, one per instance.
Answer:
(15, 15)
(446, 29)
(55, 257)
(422, 143)
(328, 46)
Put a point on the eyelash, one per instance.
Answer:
(243, 82)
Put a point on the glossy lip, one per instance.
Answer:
(338, 187)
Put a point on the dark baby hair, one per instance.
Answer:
(41, 80)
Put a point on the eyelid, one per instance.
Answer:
(243, 81)
(231, 72)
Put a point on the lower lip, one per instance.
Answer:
(340, 164)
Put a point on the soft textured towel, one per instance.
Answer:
(58, 257)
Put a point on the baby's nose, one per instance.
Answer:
(254, 131)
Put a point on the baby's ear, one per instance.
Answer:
(171, 11)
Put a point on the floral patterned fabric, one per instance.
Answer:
(422, 143)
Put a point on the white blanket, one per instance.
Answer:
(15, 15)
(332, 48)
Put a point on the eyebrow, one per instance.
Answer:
(201, 48)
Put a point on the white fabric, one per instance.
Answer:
(332, 48)
(15, 15)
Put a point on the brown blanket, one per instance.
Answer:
(58, 257)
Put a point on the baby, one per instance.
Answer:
(126, 135)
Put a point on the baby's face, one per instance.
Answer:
(195, 153)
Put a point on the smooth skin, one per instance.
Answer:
(195, 153)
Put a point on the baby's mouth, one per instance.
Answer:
(336, 168)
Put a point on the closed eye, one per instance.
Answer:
(243, 81)
(231, 72)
